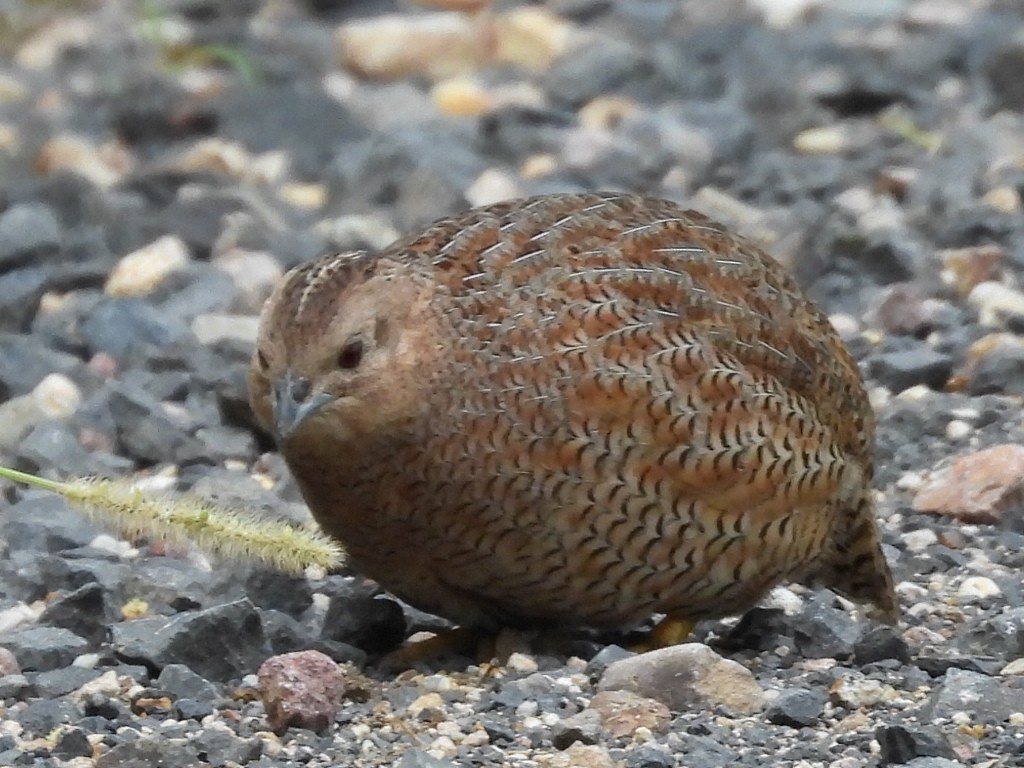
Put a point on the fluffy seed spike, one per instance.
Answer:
(226, 533)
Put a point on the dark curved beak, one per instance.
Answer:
(294, 403)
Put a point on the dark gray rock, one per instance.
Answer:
(146, 432)
(86, 611)
(43, 648)
(60, 682)
(123, 326)
(797, 708)
(985, 699)
(878, 643)
(374, 624)
(44, 522)
(42, 716)
(24, 362)
(182, 683)
(17, 687)
(149, 750)
(823, 631)
(649, 756)
(919, 364)
(901, 745)
(28, 232)
(220, 643)
(20, 292)
(584, 727)
(73, 742)
(1001, 371)
(590, 70)
(221, 748)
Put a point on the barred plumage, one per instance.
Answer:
(573, 410)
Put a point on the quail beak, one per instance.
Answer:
(294, 403)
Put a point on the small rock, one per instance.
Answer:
(649, 756)
(8, 663)
(28, 232)
(879, 644)
(856, 691)
(182, 683)
(149, 750)
(142, 271)
(797, 709)
(966, 268)
(901, 745)
(392, 46)
(364, 621)
(220, 643)
(906, 368)
(983, 698)
(823, 631)
(995, 301)
(582, 728)
(461, 96)
(901, 310)
(981, 487)
(301, 690)
(978, 588)
(825, 140)
(685, 677)
(43, 648)
(211, 327)
(221, 748)
(521, 664)
(622, 712)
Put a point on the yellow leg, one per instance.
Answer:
(669, 631)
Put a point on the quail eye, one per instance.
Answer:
(261, 360)
(351, 355)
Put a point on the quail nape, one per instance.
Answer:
(574, 410)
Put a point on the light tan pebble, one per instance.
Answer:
(106, 685)
(826, 140)
(920, 540)
(360, 731)
(1016, 719)
(142, 271)
(442, 747)
(538, 166)
(9, 140)
(492, 186)
(476, 739)
(961, 718)
(846, 762)
(1015, 667)
(576, 665)
(211, 327)
(531, 37)
(1003, 199)
(254, 273)
(550, 719)
(684, 677)
(45, 45)
(57, 396)
(390, 46)
(86, 661)
(958, 430)
(879, 397)
(604, 113)
(978, 588)
(532, 723)
(730, 210)
(216, 155)
(268, 168)
(963, 269)
(462, 97)
(785, 598)
(426, 701)
(916, 393)
(103, 166)
(994, 301)
(449, 729)
(372, 230)
(311, 196)
(521, 664)
(466, 6)
(859, 692)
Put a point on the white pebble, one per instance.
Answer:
(920, 540)
(978, 588)
(527, 709)
(522, 664)
(57, 396)
(476, 739)
(958, 430)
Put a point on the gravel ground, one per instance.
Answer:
(161, 163)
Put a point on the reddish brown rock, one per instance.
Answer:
(978, 488)
(622, 712)
(300, 690)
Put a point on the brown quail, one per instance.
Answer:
(573, 410)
